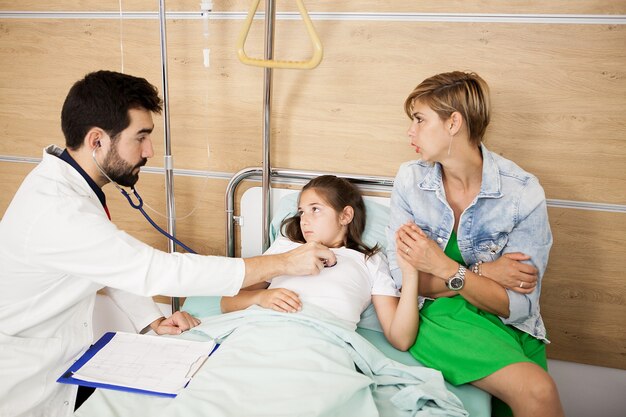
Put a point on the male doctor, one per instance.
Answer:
(58, 247)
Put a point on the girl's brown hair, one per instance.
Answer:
(337, 193)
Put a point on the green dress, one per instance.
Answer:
(466, 343)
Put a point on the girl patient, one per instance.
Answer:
(331, 211)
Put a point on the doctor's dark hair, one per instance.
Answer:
(102, 99)
(463, 92)
(338, 193)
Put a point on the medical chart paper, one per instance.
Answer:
(147, 363)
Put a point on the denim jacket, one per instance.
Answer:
(509, 214)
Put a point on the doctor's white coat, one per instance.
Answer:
(57, 249)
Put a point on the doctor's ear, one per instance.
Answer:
(93, 138)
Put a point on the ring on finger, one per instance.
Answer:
(407, 250)
(521, 284)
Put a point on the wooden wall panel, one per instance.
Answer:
(218, 106)
(583, 299)
(11, 176)
(200, 212)
(46, 57)
(372, 6)
(82, 5)
(557, 106)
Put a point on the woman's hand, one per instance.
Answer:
(423, 253)
(510, 272)
(280, 299)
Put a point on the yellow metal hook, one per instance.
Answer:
(273, 63)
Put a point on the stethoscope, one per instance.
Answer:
(139, 204)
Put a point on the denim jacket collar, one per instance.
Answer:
(490, 186)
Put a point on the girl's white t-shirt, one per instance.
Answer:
(344, 289)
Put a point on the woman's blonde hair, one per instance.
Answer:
(463, 92)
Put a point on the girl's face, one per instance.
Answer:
(320, 222)
(429, 135)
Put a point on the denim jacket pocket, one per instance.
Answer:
(490, 248)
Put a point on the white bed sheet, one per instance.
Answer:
(278, 364)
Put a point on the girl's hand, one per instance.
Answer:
(510, 272)
(432, 287)
(408, 270)
(423, 253)
(280, 299)
(403, 261)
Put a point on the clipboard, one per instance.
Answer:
(68, 376)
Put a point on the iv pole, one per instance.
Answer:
(270, 18)
(168, 159)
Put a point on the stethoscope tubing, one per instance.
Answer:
(139, 206)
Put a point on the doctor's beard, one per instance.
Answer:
(121, 171)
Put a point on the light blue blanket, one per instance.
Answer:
(277, 364)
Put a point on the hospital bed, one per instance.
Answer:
(249, 221)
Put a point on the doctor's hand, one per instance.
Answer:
(308, 259)
(415, 247)
(174, 324)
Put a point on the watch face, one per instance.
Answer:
(456, 283)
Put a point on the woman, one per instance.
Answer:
(475, 226)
